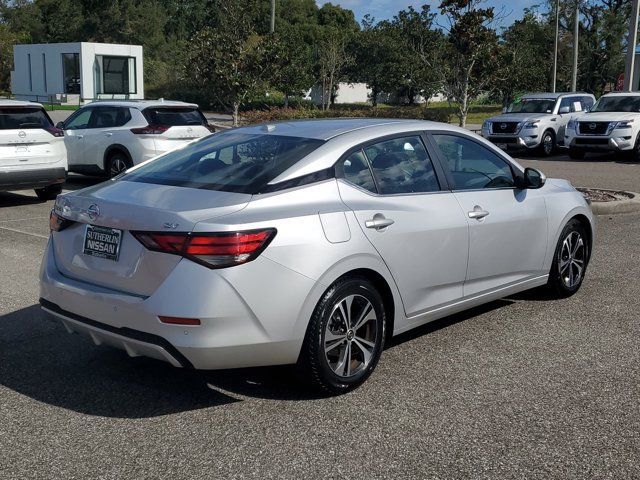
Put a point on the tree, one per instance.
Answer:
(470, 52)
(293, 73)
(333, 59)
(525, 57)
(232, 62)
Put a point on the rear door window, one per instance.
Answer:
(23, 118)
(233, 162)
(109, 117)
(174, 116)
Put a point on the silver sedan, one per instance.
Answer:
(308, 243)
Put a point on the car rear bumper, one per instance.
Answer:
(235, 331)
(32, 178)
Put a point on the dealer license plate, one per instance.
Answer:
(103, 242)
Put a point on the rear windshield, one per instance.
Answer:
(229, 161)
(617, 103)
(174, 116)
(13, 118)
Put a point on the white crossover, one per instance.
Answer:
(612, 125)
(536, 121)
(107, 137)
(307, 243)
(32, 151)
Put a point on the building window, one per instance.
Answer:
(71, 72)
(118, 75)
(30, 79)
(44, 72)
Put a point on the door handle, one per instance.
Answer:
(478, 213)
(108, 134)
(379, 222)
(79, 136)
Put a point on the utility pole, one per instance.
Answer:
(273, 16)
(555, 48)
(574, 77)
(632, 41)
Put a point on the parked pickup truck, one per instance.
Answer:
(612, 125)
(536, 121)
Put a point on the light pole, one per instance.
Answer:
(632, 41)
(273, 16)
(574, 77)
(555, 48)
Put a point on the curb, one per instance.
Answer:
(627, 205)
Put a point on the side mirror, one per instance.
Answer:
(533, 178)
(60, 125)
(564, 110)
(504, 109)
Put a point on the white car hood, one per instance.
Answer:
(607, 116)
(518, 117)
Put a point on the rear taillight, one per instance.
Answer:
(57, 223)
(55, 131)
(153, 129)
(213, 250)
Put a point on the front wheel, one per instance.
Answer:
(345, 336)
(49, 192)
(570, 260)
(548, 143)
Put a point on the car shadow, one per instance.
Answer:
(10, 199)
(78, 182)
(39, 359)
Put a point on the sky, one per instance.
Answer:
(384, 9)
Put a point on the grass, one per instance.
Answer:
(61, 107)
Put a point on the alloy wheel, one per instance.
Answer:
(572, 259)
(547, 143)
(350, 336)
(117, 166)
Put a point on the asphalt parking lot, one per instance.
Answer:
(521, 388)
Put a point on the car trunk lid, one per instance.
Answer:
(126, 207)
(26, 136)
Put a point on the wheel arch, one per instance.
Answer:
(588, 227)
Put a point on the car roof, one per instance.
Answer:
(140, 104)
(622, 94)
(326, 129)
(19, 103)
(551, 95)
(341, 135)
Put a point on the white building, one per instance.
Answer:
(77, 71)
(360, 93)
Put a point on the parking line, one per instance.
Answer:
(46, 237)
(23, 219)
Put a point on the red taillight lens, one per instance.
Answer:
(214, 250)
(57, 223)
(153, 129)
(55, 131)
(180, 320)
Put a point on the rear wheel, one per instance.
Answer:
(570, 260)
(548, 143)
(345, 336)
(576, 154)
(117, 163)
(49, 192)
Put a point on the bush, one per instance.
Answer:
(280, 113)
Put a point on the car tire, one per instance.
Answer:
(337, 357)
(570, 260)
(117, 162)
(49, 192)
(576, 154)
(548, 143)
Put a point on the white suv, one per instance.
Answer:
(32, 151)
(612, 125)
(107, 137)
